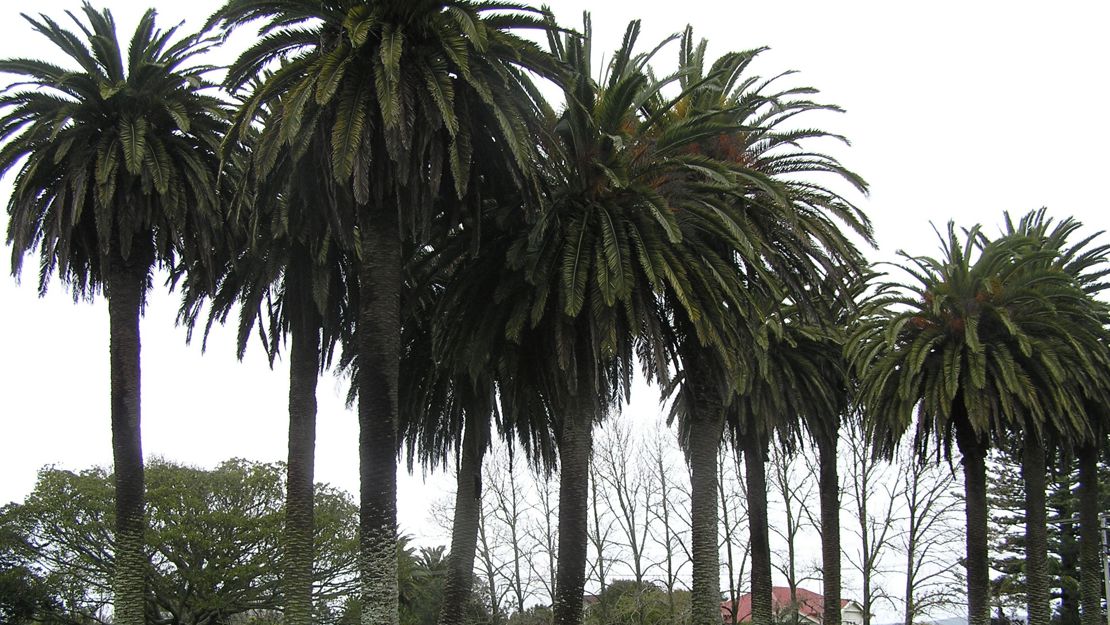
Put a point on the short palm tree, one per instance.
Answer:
(980, 343)
(450, 379)
(1086, 263)
(116, 164)
(288, 276)
(407, 93)
(799, 386)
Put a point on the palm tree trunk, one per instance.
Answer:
(575, 445)
(378, 336)
(703, 444)
(755, 472)
(464, 531)
(125, 294)
(974, 454)
(304, 370)
(1036, 532)
(829, 487)
(1090, 560)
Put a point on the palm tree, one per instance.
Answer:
(799, 383)
(286, 262)
(1090, 543)
(1084, 264)
(116, 176)
(978, 345)
(448, 395)
(630, 201)
(406, 92)
(788, 240)
(575, 290)
(804, 379)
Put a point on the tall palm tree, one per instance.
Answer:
(575, 290)
(116, 165)
(631, 199)
(789, 239)
(405, 92)
(979, 344)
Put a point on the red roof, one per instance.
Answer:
(810, 604)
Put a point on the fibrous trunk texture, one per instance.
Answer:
(975, 496)
(575, 444)
(378, 337)
(1090, 547)
(125, 293)
(1036, 533)
(756, 474)
(829, 486)
(704, 443)
(464, 532)
(304, 367)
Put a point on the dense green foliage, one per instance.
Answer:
(210, 546)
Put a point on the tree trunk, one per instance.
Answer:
(378, 334)
(703, 444)
(464, 531)
(1036, 532)
(730, 557)
(125, 295)
(973, 450)
(754, 452)
(829, 487)
(304, 371)
(1090, 548)
(575, 444)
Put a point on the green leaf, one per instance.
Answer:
(132, 134)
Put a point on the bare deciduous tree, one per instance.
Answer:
(871, 501)
(931, 539)
(794, 490)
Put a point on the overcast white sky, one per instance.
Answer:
(956, 111)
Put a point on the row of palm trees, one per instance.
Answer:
(385, 181)
(998, 342)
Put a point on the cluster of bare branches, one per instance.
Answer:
(901, 537)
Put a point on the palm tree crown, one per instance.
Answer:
(117, 158)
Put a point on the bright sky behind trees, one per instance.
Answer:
(955, 110)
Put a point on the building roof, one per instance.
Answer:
(810, 605)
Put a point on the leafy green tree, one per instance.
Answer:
(25, 596)
(976, 345)
(209, 547)
(626, 602)
(116, 165)
(408, 94)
